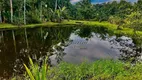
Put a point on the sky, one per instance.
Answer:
(101, 1)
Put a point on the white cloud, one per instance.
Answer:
(74, 1)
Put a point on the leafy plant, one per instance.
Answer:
(57, 15)
(35, 72)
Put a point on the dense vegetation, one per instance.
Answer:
(122, 13)
(99, 70)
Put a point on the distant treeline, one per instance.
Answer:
(37, 11)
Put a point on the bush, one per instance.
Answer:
(31, 19)
(18, 20)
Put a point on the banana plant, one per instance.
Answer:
(58, 14)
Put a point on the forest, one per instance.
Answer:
(19, 12)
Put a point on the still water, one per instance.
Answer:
(70, 44)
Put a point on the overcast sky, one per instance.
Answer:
(101, 1)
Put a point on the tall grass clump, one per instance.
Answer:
(36, 72)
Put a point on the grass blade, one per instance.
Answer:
(29, 73)
(31, 62)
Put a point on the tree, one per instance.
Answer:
(56, 4)
(25, 12)
(37, 11)
(124, 8)
(84, 7)
(116, 20)
(0, 11)
(18, 16)
(11, 10)
(138, 5)
(134, 20)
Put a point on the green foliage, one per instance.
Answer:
(29, 73)
(100, 69)
(134, 20)
(37, 11)
(33, 17)
(35, 72)
(116, 20)
(57, 15)
(18, 20)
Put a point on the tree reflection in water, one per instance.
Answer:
(61, 43)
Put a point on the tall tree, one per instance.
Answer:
(41, 3)
(25, 12)
(56, 4)
(0, 17)
(0, 11)
(11, 11)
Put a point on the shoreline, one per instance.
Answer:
(65, 23)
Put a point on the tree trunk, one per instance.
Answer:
(2, 35)
(11, 10)
(0, 17)
(41, 32)
(56, 5)
(41, 11)
(27, 42)
(14, 41)
(24, 12)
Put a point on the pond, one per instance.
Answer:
(70, 44)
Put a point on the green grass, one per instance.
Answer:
(3, 25)
(65, 23)
(98, 70)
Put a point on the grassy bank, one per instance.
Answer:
(112, 27)
(53, 24)
(99, 70)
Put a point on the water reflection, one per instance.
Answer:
(70, 44)
(91, 49)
